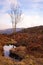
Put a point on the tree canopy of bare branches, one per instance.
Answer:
(15, 14)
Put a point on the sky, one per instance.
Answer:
(32, 13)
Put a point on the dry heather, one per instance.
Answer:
(32, 39)
(29, 60)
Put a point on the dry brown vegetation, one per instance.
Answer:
(31, 39)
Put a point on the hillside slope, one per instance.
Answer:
(29, 44)
(32, 38)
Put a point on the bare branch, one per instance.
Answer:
(15, 15)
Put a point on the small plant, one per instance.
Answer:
(27, 56)
(11, 41)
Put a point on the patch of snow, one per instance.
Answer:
(7, 49)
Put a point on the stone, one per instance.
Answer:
(20, 51)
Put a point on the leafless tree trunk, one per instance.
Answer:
(15, 16)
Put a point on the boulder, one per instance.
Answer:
(20, 51)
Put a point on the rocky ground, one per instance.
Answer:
(29, 47)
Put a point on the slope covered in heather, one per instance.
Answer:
(29, 44)
(32, 38)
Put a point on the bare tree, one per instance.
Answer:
(15, 16)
